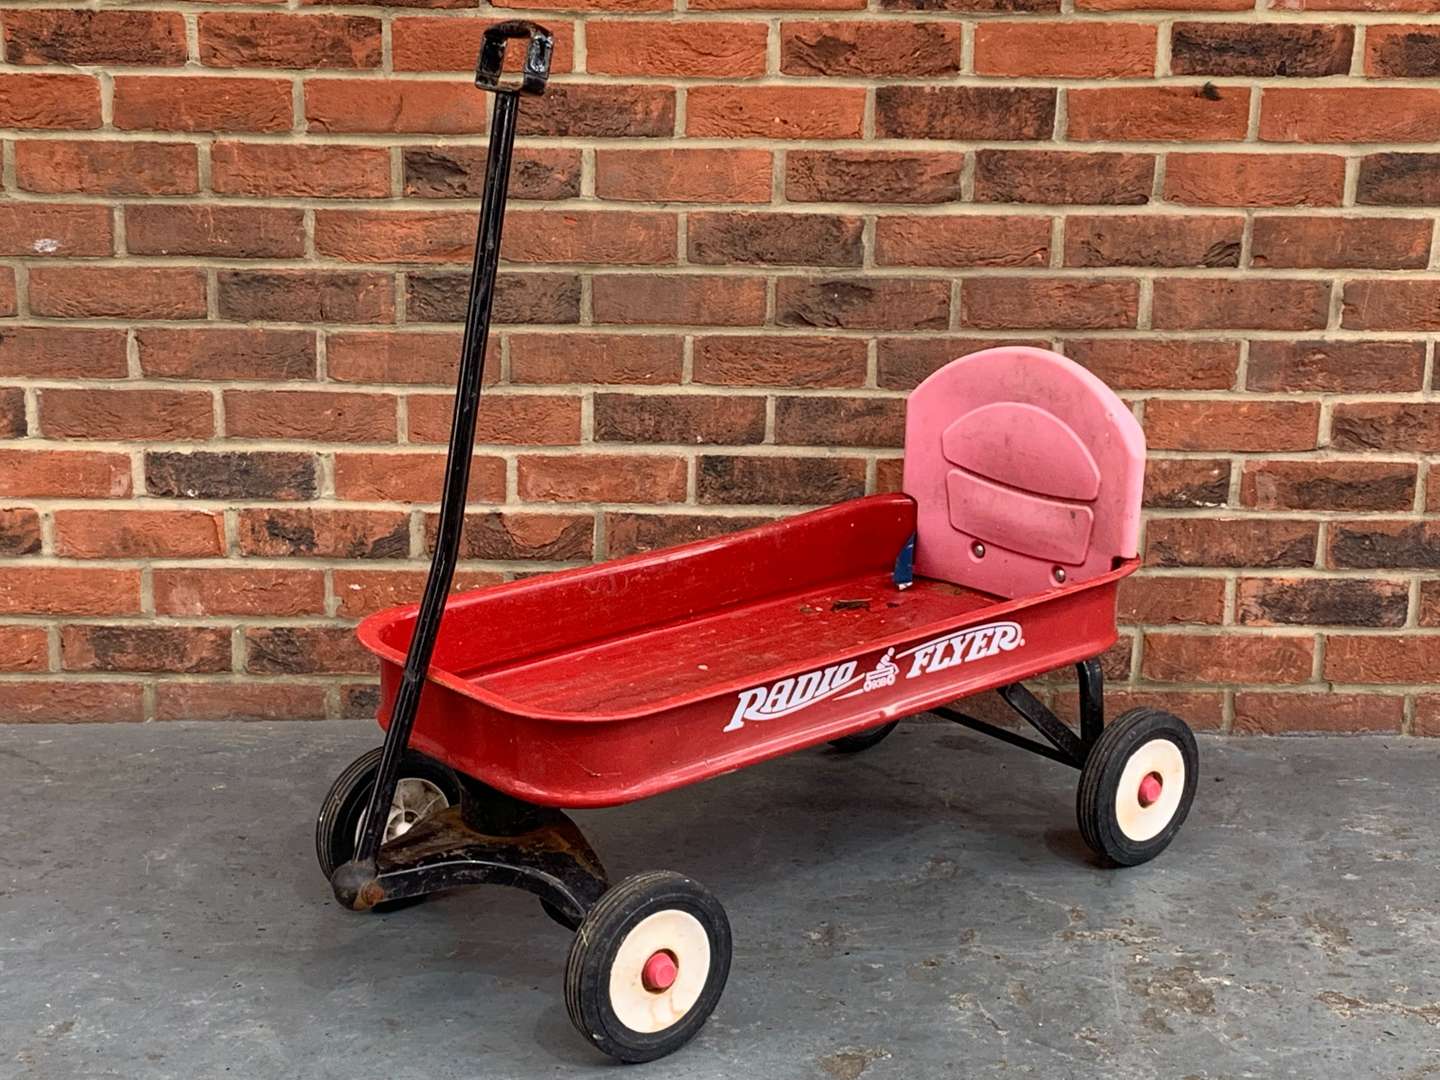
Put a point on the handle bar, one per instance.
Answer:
(536, 68)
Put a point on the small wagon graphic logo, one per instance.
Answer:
(787, 696)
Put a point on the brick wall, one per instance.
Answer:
(232, 244)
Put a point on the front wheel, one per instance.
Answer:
(647, 966)
(1137, 786)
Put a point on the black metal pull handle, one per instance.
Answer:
(537, 57)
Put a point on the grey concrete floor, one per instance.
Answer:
(922, 910)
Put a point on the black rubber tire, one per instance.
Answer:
(864, 740)
(1100, 779)
(559, 916)
(348, 798)
(596, 944)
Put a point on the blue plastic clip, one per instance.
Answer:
(904, 575)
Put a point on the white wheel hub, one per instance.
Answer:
(414, 800)
(1150, 790)
(677, 933)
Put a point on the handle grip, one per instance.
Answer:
(536, 69)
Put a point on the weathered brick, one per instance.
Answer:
(600, 111)
(1186, 483)
(183, 649)
(24, 648)
(1240, 303)
(1215, 658)
(871, 176)
(1285, 714)
(742, 360)
(19, 532)
(1202, 424)
(693, 49)
(56, 166)
(238, 232)
(679, 418)
(448, 43)
(60, 352)
(304, 650)
(246, 700)
(186, 103)
(389, 357)
(1321, 602)
(364, 592)
(411, 477)
(336, 534)
(519, 297)
(840, 421)
(1086, 50)
(1059, 303)
(152, 415)
(1161, 601)
(309, 416)
(1372, 243)
(991, 113)
(1399, 180)
(1159, 113)
(1328, 485)
(909, 49)
(1392, 305)
(68, 590)
(393, 105)
(320, 171)
(274, 40)
(1158, 365)
(1402, 52)
(55, 230)
(319, 296)
(1384, 545)
(595, 358)
(75, 292)
(1350, 115)
(863, 303)
(1336, 366)
(1255, 179)
(1063, 177)
(1381, 658)
(1230, 542)
(458, 172)
(226, 354)
(683, 175)
(774, 112)
(142, 38)
(601, 478)
(238, 591)
(689, 299)
(72, 701)
(228, 475)
(49, 101)
(523, 536)
(1260, 50)
(969, 240)
(64, 474)
(13, 424)
(504, 419)
(775, 239)
(1386, 426)
(768, 480)
(902, 363)
(630, 534)
(1152, 240)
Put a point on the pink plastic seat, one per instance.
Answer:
(1027, 471)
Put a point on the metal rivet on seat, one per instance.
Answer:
(977, 549)
(1059, 574)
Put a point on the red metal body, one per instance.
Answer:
(610, 683)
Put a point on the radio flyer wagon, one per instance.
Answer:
(598, 686)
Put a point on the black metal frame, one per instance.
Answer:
(1064, 745)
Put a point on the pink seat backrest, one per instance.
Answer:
(1027, 472)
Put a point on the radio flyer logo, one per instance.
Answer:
(784, 697)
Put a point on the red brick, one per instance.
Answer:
(1240, 303)
(863, 303)
(458, 172)
(1372, 243)
(1336, 366)
(775, 112)
(902, 363)
(68, 590)
(735, 360)
(56, 166)
(595, 358)
(1255, 179)
(237, 232)
(390, 477)
(522, 536)
(364, 592)
(54, 230)
(187, 103)
(727, 238)
(968, 240)
(395, 235)
(601, 478)
(849, 49)
(238, 591)
(333, 534)
(778, 481)
(409, 105)
(451, 43)
(54, 352)
(1186, 483)
(20, 532)
(309, 416)
(1050, 303)
(1087, 50)
(1064, 177)
(1386, 426)
(706, 50)
(765, 5)
(1262, 50)
(152, 415)
(1381, 658)
(226, 354)
(239, 700)
(1215, 658)
(306, 296)
(1392, 305)
(1384, 545)
(1158, 365)
(504, 419)
(268, 39)
(683, 175)
(1330, 601)
(520, 298)
(1328, 713)
(49, 101)
(128, 293)
(143, 534)
(600, 111)
(1399, 180)
(1351, 115)
(679, 418)
(72, 701)
(322, 171)
(1159, 113)
(1160, 601)
(386, 357)
(1164, 5)
(1426, 721)
(63, 474)
(24, 648)
(1230, 542)
(1328, 485)
(1402, 52)
(1359, 5)
(1152, 240)
(629, 534)
(690, 299)
(230, 475)
(990, 113)
(840, 421)
(9, 301)
(1192, 424)
(148, 38)
(871, 176)
(304, 650)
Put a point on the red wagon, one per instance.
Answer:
(599, 686)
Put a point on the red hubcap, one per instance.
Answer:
(659, 972)
(1150, 789)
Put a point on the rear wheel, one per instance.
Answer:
(425, 787)
(1137, 786)
(864, 740)
(647, 966)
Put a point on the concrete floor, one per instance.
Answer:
(922, 910)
